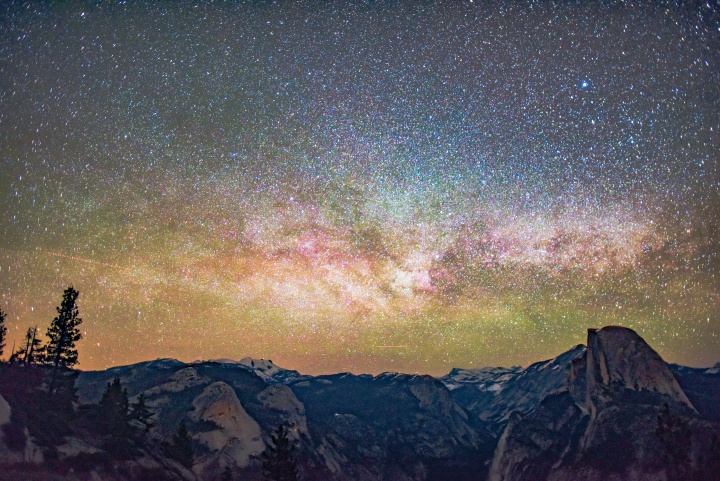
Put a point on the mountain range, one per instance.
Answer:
(611, 410)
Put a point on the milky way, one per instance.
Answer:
(362, 186)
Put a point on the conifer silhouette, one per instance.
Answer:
(141, 413)
(114, 408)
(181, 447)
(32, 352)
(64, 333)
(278, 461)
(3, 332)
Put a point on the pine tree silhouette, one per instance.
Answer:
(3, 331)
(32, 352)
(114, 408)
(114, 412)
(141, 413)
(278, 461)
(181, 447)
(64, 333)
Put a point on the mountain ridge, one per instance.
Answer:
(468, 425)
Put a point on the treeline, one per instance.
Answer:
(59, 351)
(38, 381)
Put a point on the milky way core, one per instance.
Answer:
(361, 186)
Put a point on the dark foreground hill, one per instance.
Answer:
(613, 410)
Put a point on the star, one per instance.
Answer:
(305, 181)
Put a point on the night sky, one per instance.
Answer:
(361, 186)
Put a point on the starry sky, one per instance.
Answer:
(362, 186)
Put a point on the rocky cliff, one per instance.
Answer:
(623, 416)
(617, 357)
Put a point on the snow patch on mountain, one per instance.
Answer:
(482, 379)
(492, 393)
(265, 369)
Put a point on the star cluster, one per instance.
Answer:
(362, 186)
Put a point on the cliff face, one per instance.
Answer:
(231, 436)
(532, 444)
(617, 357)
(702, 386)
(623, 417)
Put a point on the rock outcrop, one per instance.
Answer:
(229, 432)
(622, 417)
(620, 358)
(280, 399)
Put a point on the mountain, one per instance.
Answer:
(702, 386)
(493, 394)
(144, 375)
(230, 407)
(623, 416)
(263, 368)
(613, 411)
(390, 426)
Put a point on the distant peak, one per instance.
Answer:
(258, 363)
(166, 360)
(619, 356)
(246, 361)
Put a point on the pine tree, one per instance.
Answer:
(20, 355)
(227, 474)
(23, 353)
(141, 413)
(115, 410)
(181, 447)
(32, 352)
(3, 332)
(114, 418)
(278, 461)
(63, 334)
